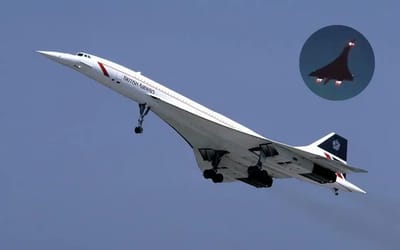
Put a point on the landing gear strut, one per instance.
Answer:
(143, 111)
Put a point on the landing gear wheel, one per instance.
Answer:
(259, 175)
(218, 178)
(268, 180)
(209, 173)
(138, 130)
(253, 171)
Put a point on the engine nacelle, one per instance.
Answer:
(321, 175)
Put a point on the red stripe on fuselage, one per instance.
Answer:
(328, 156)
(103, 69)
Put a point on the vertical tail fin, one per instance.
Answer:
(334, 144)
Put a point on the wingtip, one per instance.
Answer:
(359, 170)
(361, 191)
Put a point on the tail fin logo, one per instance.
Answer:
(336, 145)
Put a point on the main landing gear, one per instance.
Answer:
(257, 174)
(143, 111)
(214, 156)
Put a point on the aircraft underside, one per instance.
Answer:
(226, 155)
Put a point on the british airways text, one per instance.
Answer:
(138, 84)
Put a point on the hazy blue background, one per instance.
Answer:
(324, 46)
(73, 175)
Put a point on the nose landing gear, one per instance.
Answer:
(143, 111)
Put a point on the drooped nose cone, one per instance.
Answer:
(62, 58)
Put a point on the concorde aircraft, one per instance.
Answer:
(225, 150)
(338, 69)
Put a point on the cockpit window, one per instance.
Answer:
(83, 54)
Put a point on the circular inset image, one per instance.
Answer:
(337, 62)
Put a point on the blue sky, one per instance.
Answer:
(73, 175)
